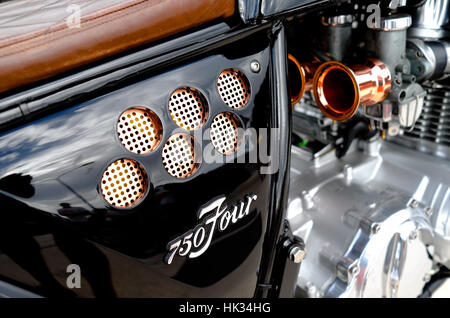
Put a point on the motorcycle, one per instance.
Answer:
(207, 148)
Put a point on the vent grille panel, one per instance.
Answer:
(234, 88)
(188, 108)
(124, 183)
(179, 158)
(139, 130)
(224, 133)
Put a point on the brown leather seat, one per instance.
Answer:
(40, 38)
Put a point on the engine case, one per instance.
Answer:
(370, 220)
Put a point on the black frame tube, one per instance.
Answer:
(282, 119)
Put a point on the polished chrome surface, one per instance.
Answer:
(297, 254)
(395, 22)
(367, 218)
(270, 7)
(255, 66)
(394, 4)
(249, 10)
(337, 20)
(447, 51)
(376, 222)
(432, 20)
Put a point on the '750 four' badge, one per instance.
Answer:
(213, 216)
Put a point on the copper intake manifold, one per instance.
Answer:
(339, 90)
(300, 77)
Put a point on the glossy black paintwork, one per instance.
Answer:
(53, 213)
(282, 119)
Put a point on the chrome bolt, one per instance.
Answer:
(307, 199)
(312, 291)
(255, 66)
(353, 269)
(414, 203)
(405, 68)
(348, 172)
(395, 286)
(429, 211)
(297, 254)
(393, 130)
(346, 271)
(413, 235)
(375, 228)
(393, 4)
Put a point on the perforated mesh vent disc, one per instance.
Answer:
(188, 108)
(124, 183)
(234, 88)
(224, 133)
(139, 130)
(179, 156)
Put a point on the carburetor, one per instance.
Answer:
(403, 106)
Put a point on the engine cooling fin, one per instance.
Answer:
(434, 122)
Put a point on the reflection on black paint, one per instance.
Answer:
(67, 152)
(17, 184)
(20, 223)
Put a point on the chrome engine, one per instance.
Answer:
(370, 196)
(370, 220)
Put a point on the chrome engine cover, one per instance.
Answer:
(374, 222)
